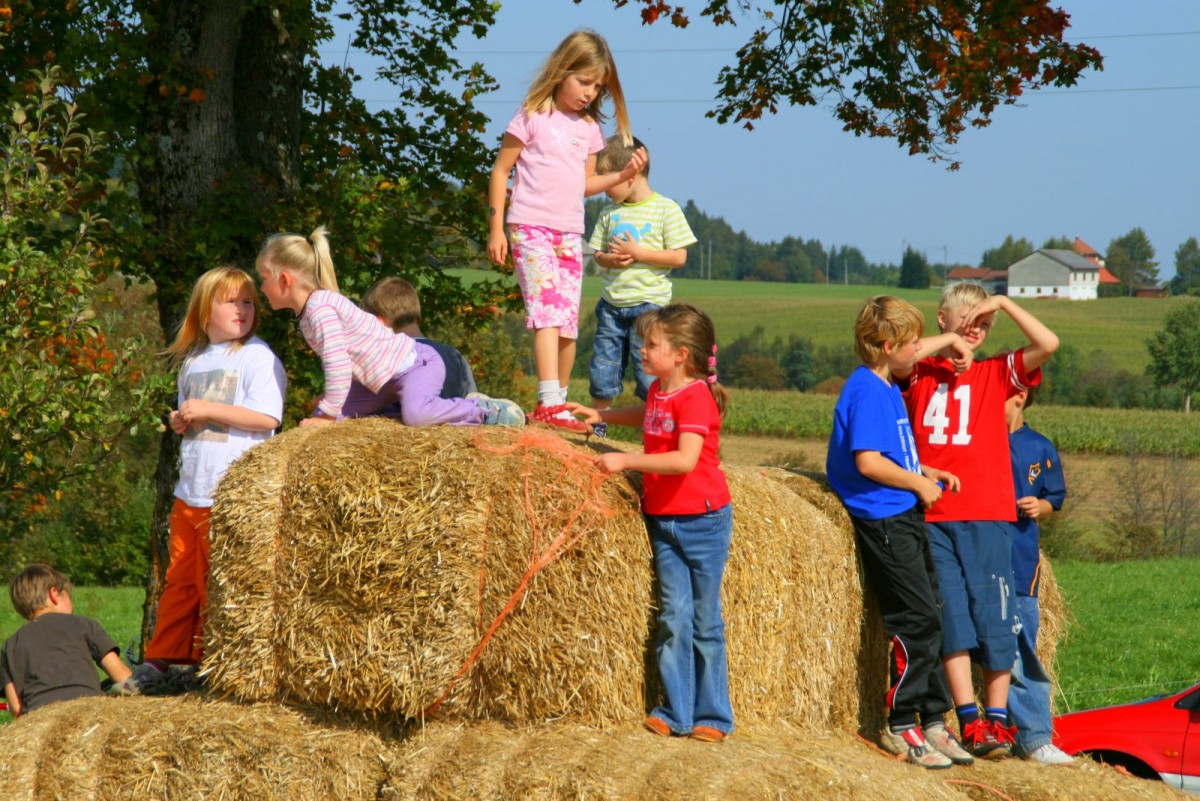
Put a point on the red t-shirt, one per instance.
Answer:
(690, 408)
(958, 422)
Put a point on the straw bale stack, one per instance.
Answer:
(357, 566)
(563, 762)
(115, 749)
(391, 550)
(360, 566)
(109, 748)
(793, 604)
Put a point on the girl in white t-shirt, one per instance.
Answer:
(231, 389)
(552, 142)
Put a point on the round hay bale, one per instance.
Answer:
(109, 748)
(242, 584)
(793, 606)
(381, 556)
(564, 762)
(397, 549)
(114, 749)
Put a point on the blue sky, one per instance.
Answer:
(1119, 150)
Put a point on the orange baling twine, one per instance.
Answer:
(578, 478)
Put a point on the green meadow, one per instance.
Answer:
(824, 314)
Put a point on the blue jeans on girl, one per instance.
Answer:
(690, 552)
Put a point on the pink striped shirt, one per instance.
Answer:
(353, 345)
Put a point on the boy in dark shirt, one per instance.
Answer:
(53, 657)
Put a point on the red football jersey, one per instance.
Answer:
(958, 422)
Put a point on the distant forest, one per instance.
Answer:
(723, 253)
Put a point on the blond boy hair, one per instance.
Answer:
(885, 319)
(30, 589)
(965, 294)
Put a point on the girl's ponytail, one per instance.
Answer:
(323, 267)
(308, 257)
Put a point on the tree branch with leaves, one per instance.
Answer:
(916, 72)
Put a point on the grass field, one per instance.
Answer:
(824, 314)
(1129, 639)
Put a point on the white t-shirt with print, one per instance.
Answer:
(250, 376)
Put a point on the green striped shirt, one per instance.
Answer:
(656, 223)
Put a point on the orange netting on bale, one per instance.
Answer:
(578, 477)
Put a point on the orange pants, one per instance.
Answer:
(179, 623)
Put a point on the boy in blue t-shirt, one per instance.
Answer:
(1038, 479)
(872, 465)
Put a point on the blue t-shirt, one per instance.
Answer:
(1037, 472)
(870, 416)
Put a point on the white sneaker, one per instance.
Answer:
(944, 741)
(911, 744)
(1050, 754)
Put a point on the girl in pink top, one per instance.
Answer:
(368, 367)
(552, 142)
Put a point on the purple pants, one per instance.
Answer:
(415, 396)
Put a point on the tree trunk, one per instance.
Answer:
(225, 100)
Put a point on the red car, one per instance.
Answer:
(1158, 738)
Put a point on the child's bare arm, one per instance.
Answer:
(13, 698)
(626, 245)
(960, 352)
(601, 183)
(625, 416)
(877, 467)
(611, 261)
(510, 149)
(196, 411)
(1035, 508)
(117, 670)
(671, 463)
(1042, 341)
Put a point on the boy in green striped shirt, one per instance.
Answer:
(638, 239)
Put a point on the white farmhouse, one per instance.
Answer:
(1060, 274)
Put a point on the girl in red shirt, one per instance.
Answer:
(688, 514)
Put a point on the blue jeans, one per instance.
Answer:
(1029, 693)
(617, 343)
(690, 552)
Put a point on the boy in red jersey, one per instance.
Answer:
(959, 424)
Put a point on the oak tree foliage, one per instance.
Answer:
(916, 72)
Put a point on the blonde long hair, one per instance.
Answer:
(219, 283)
(306, 257)
(686, 326)
(581, 51)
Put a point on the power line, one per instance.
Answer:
(683, 101)
(542, 52)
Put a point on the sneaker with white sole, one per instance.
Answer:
(944, 741)
(911, 744)
(145, 680)
(500, 411)
(988, 739)
(1050, 754)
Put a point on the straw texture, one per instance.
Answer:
(185, 748)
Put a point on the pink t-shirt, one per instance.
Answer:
(548, 188)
